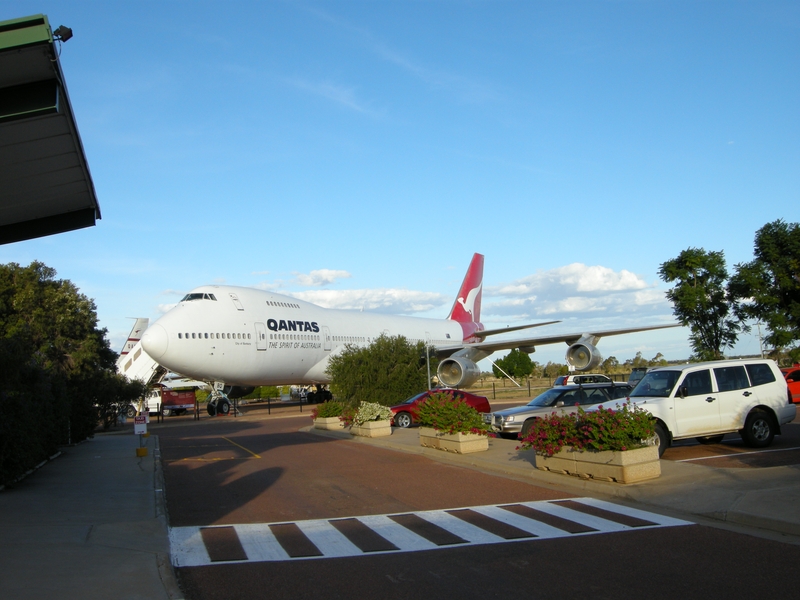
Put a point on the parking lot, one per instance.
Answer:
(730, 453)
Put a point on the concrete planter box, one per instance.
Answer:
(461, 443)
(372, 429)
(328, 423)
(629, 466)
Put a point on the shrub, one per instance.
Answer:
(389, 369)
(451, 415)
(602, 429)
(371, 411)
(331, 408)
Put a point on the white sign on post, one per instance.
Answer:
(139, 425)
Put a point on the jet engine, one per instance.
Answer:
(458, 371)
(583, 356)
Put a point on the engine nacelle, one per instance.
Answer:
(583, 356)
(457, 372)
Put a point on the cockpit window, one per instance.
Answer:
(198, 296)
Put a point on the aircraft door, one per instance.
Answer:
(236, 302)
(326, 339)
(261, 336)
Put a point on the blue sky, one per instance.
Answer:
(356, 154)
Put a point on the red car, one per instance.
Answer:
(792, 375)
(405, 413)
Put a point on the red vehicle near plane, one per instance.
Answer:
(405, 413)
(792, 375)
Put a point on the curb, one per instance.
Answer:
(163, 561)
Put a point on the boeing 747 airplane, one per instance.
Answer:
(246, 337)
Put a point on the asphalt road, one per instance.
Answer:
(678, 562)
(264, 471)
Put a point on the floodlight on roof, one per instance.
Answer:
(62, 33)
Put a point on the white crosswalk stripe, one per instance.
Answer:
(405, 540)
(408, 532)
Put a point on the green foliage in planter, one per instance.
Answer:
(388, 370)
(449, 415)
(371, 411)
(598, 430)
(331, 408)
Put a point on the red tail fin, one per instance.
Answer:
(467, 307)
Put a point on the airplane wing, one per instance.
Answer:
(488, 332)
(526, 344)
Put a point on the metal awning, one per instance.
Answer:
(45, 184)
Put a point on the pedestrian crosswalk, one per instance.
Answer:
(406, 532)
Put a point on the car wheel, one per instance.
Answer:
(402, 419)
(759, 429)
(663, 439)
(130, 412)
(223, 407)
(710, 439)
(166, 412)
(526, 428)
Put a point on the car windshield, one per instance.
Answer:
(548, 398)
(656, 383)
(414, 398)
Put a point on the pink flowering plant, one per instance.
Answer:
(601, 429)
(451, 415)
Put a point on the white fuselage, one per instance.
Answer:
(245, 336)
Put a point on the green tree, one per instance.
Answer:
(553, 370)
(768, 287)
(516, 364)
(387, 371)
(57, 376)
(636, 361)
(610, 365)
(701, 301)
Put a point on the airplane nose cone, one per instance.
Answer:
(155, 341)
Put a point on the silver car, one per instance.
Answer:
(562, 399)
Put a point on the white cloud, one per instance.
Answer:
(574, 291)
(163, 308)
(320, 277)
(389, 301)
(576, 277)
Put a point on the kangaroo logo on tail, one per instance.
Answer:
(467, 307)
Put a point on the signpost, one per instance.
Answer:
(140, 429)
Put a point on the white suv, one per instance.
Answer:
(708, 400)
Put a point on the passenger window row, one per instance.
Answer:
(214, 336)
(282, 304)
(294, 336)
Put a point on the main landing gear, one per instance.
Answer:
(320, 394)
